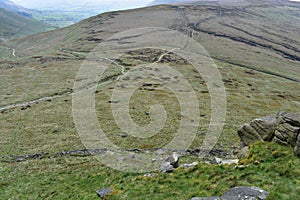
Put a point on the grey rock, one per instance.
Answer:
(259, 129)
(292, 118)
(283, 128)
(173, 160)
(123, 135)
(297, 148)
(230, 161)
(170, 163)
(166, 168)
(287, 133)
(239, 193)
(150, 175)
(245, 193)
(248, 135)
(160, 152)
(216, 161)
(189, 165)
(56, 130)
(220, 161)
(243, 152)
(102, 193)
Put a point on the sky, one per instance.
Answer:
(101, 4)
(98, 4)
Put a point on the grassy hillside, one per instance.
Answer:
(9, 5)
(79, 177)
(55, 18)
(256, 49)
(15, 26)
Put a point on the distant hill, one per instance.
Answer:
(14, 25)
(9, 5)
(265, 28)
(221, 2)
(56, 18)
(156, 2)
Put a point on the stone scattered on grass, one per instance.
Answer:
(171, 163)
(102, 193)
(240, 193)
(220, 161)
(189, 165)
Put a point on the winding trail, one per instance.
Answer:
(67, 93)
(13, 51)
(28, 103)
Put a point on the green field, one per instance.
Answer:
(61, 19)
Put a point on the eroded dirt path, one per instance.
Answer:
(13, 51)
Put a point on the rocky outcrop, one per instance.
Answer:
(239, 193)
(282, 128)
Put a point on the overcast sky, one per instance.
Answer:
(56, 4)
(99, 4)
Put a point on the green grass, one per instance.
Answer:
(33, 127)
(265, 168)
(272, 167)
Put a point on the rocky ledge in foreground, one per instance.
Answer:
(282, 128)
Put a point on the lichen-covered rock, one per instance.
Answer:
(245, 192)
(259, 129)
(283, 128)
(239, 193)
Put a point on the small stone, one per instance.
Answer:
(189, 165)
(297, 147)
(160, 152)
(206, 198)
(102, 193)
(216, 161)
(240, 167)
(166, 168)
(150, 175)
(242, 153)
(123, 135)
(230, 161)
(55, 130)
(173, 160)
